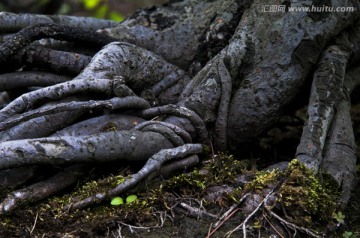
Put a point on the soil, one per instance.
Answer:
(46, 219)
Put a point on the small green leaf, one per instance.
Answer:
(116, 201)
(339, 217)
(347, 234)
(42, 2)
(116, 16)
(131, 198)
(64, 9)
(101, 11)
(91, 4)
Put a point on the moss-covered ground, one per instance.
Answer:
(219, 182)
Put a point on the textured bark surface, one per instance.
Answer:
(275, 76)
(147, 90)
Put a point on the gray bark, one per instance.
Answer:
(275, 75)
(223, 72)
(108, 146)
(30, 79)
(11, 22)
(130, 102)
(180, 31)
(43, 189)
(328, 85)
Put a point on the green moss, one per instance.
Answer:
(262, 180)
(302, 198)
(218, 171)
(137, 209)
(110, 126)
(306, 197)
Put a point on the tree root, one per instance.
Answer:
(107, 146)
(243, 89)
(328, 139)
(30, 79)
(328, 78)
(43, 189)
(59, 91)
(55, 60)
(29, 34)
(195, 120)
(167, 169)
(41, 126)
(131, 102)
(172, 132)
(153, 164)
(104, 123)
(11, 22)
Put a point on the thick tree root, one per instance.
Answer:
(167, 170)
(340, 152)
(43, 189)
(95, 125)
(30, 79)
(196, 30)
(56, 31)
(59, 91)
(178, 130)
(131, 102)
(55, 60)
(152, 165)
(104, 147)
(195, 120)
(11, 22)
(271, 79)
(325, 94)
(328, 140)
(255, 67)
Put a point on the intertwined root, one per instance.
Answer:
(119, 72)
(153, 164)
(148, 110)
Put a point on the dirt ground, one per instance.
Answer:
(46, 219)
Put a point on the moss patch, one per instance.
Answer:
(306, 198)
(302, 198)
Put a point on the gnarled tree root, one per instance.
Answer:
(152, 165)
(250, 77)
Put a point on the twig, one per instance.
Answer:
(243, 224)
(131, 227)
(33, 227)
(217, 227)
(292, 225)
(118, 235)
(196, 211)
(232, 210)
(273, 227)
